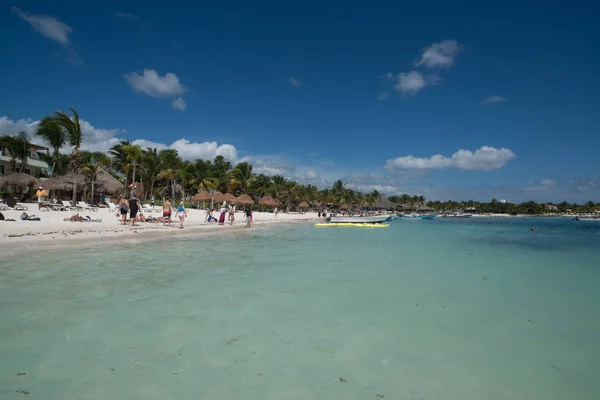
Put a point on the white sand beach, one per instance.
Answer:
(53, 229)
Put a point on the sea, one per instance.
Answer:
(454, 309)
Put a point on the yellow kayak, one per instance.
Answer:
(354, 225)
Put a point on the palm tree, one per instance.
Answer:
(92, 168)
(151, 165)
(339, 191)
(53, 134)
(278, 183)
(72, 131)
(18, 146)
(134, 156)
(170, 175)
(242, 176)
(289, 194)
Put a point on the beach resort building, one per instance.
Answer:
(33, 166)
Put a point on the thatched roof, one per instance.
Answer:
(384, 202)
(202, 196)
(104, 182)
(269, 202)
(219, 197)
(304, 204)
(18, 179)
(59, 183)
(245, 200)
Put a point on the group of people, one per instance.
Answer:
(133, 207)
(229, 214)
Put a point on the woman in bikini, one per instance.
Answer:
(181, 213)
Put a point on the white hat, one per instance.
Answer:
(40, 187)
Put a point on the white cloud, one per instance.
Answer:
(410, 83)
(295, 82)
(47, 26)
(97, 139)
(484, 159)
(55, 30)
(440, 55)
(179, 104)
(492, 100)
(154, 85)
(548, 182)
(123, 15)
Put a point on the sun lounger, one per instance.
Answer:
(4, 207)
(112, 207)
(67, 205)
(86, 206)
(148, 208)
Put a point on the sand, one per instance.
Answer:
(54, 230)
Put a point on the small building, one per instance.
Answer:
(550, 207)
(34, 165)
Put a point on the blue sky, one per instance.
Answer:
(448, 101)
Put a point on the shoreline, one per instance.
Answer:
(52, 232)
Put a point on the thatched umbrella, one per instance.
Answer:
(268, 201)
(18, 179)
(384, 202)
(111, 184)
(304, 204)
(245, 200)
(220, 197)
(59, 184)
(202, 196)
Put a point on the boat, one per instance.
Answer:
(351, 225)
(418, 216)
(375, 219)
(587, 219)
(458, 215)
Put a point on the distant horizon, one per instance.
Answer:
(446, 103)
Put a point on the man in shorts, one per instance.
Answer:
(167, 212)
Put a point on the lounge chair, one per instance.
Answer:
(86, 206)
(148, 208)
(67, 206)
(112, 207)
(4, 207)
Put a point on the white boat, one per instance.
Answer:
(415, 216)
(587, 219)
(376, 219)
(458, 215)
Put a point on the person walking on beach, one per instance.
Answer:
(152, 201)
(41, 194)
(134, 207)
(181, 213)
(167, 212)
(276, 211)
(222, 213)
(248, 213)
(231, 214)
(123, 208)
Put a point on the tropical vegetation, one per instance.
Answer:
(163, 173)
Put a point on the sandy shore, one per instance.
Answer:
(54, 230)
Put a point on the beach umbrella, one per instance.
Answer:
(268, 201)
(304, 204)
(202, 196)
(245, 200)
(58, 184)
(18, 179)
(221, 197)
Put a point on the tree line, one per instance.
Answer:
(163, 173)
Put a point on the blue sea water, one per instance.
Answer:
(423, 310)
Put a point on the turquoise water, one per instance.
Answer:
(423, 310)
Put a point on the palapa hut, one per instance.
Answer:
(268, 201)
(18, 180)
(202, 196)
(244, 200)
(221, 197)
(384, 203)
(304, 204)
(104, 183)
